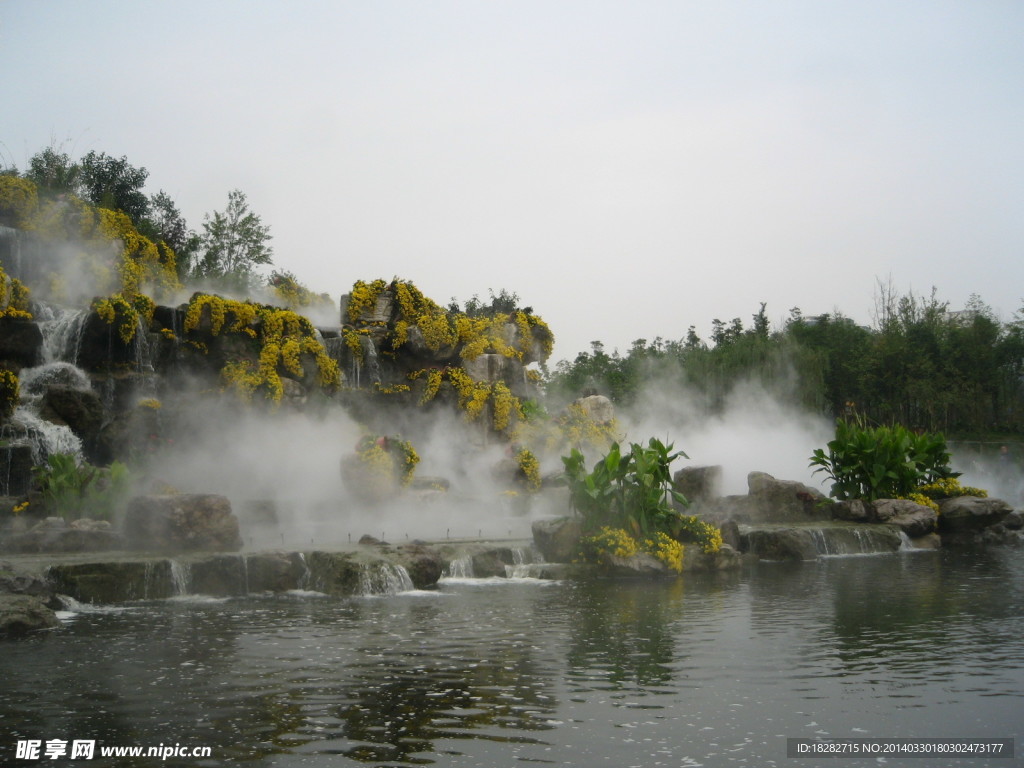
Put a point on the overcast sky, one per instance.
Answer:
(628, 169)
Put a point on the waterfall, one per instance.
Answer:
(181, 577)
(306, 573)
(384, 579)
(62, 331)
(523, 564)
(42, 436)
(459, 568)
(244, 564)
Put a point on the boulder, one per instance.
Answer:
(853, 511)
(182, 523)
(967, 514)
(912, 518)
(16, 582)
(699, 484)
(21, 614)
(54, 534)
(557, 538)
(21, 342)
(785, 501)
(82, 410)
(597, 408)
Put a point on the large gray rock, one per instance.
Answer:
(21, 342)
(21, 614)
(785, 501)
(182, 523)
(699, 484)
(557, 538)
(912, 518)
(966, 514)
(54, 534)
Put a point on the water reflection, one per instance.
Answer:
(699, 671)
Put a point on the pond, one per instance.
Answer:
(710, 670)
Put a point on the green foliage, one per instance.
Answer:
(73, 490)
(881, 462)
(632, 491)
(234, 243)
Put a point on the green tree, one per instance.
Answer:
(166, 223)
(234, 242)
(114, 183)
(54, 173)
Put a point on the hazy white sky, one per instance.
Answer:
(628, 169)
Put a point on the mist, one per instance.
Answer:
(756, 429)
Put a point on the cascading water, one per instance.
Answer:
(523, 564)
(181, 577)
(384, 579)
(459, 568)
(62, 331)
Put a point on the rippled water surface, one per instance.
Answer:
(714, 670)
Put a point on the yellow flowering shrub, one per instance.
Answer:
(10, 392)
(606, 542)
(126, 313)
(948, 488)
(19, 200)
(13, 297)
(363, 297)
(666, 549)
(529, 466)
(692, 528)
(281, 338)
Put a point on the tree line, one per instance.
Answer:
(225, 254)
(920, 365)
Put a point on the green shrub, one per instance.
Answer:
(73, 490)
(631, 491)
(881, 462)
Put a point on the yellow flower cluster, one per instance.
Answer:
(10, 392)
(572, 429)
(441, 328)
(707, 535)
(126, 313)
(13, 297)
(609, 541)
(18, 201)
(363, 297)
(18, 509)
(283, 339)
(666, 549)
(948, 488)
(530, 467)
(473, 396)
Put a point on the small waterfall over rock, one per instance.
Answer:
(811, 541)
(62, 331)
(384, 579)
(181, 577)
(459, 568)
(525, 563)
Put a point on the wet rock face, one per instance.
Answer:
(21, 614)
(968, 514)
(182, 523)
(557, 538)
(913, 519)
(785, 501)
(21, 342)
